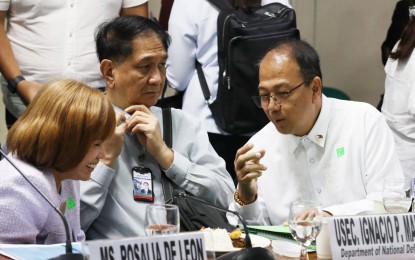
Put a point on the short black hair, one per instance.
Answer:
(114, 38)
(304, 54)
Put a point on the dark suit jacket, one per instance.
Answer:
(144, 191)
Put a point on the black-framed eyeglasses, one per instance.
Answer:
(263, 100)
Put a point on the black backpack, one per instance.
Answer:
(244, 37)
(193, 214)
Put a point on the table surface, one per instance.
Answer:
(311, 256)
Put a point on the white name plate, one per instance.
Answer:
(188, 245)
(386, 236)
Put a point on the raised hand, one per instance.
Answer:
(145, 125)
(248, 169)
(113, 145)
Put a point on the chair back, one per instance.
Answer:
(335, 93)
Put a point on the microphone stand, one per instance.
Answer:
(68, 246)
(248, 252)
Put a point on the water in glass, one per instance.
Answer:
(305, 223)
(167, 229)
(305, 231)
(162, 219)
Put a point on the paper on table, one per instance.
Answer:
(35, 252)
(364, 206)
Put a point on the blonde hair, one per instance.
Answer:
(60, 124)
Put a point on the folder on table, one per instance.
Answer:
(272, 232)
(280, 232)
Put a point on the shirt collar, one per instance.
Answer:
(118, 109)
(318, 133)
(127, 115)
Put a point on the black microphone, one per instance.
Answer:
(69, 254)
(249, 252)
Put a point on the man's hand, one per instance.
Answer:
(248, 169)
(113, 145)
(307, 214)
(146, 127)
(27, 90)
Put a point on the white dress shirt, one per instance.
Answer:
(344, 159)
(55, 39)
(399, 109)
(193, 27)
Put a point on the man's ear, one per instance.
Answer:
(107, 72)
(317, 87)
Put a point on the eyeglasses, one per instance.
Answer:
(263, 100)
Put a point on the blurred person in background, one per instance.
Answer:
(400, 19)
(51, 39)
(399, 100)
(194, 38)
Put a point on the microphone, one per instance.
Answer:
(248, 252)
(68, 246)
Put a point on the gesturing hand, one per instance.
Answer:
(248, 169)
(113, 145)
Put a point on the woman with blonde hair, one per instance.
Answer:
(56, 142)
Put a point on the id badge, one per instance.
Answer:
(143, 184)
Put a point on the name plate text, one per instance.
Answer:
(386, 236)
(189, 245)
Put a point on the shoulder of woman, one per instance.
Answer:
(21, 182)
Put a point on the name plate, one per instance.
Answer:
(386, 236)
(188, 245)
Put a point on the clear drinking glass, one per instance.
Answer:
(396, 197)
(305, 223)
(162, 219)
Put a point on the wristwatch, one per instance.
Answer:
(12, 84)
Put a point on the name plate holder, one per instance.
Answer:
(187, 245)
(385, 236)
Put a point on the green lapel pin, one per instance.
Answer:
(71, 203)
(340, 151)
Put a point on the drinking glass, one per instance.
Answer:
(162, 219)
(305, 223)
(396, 198)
